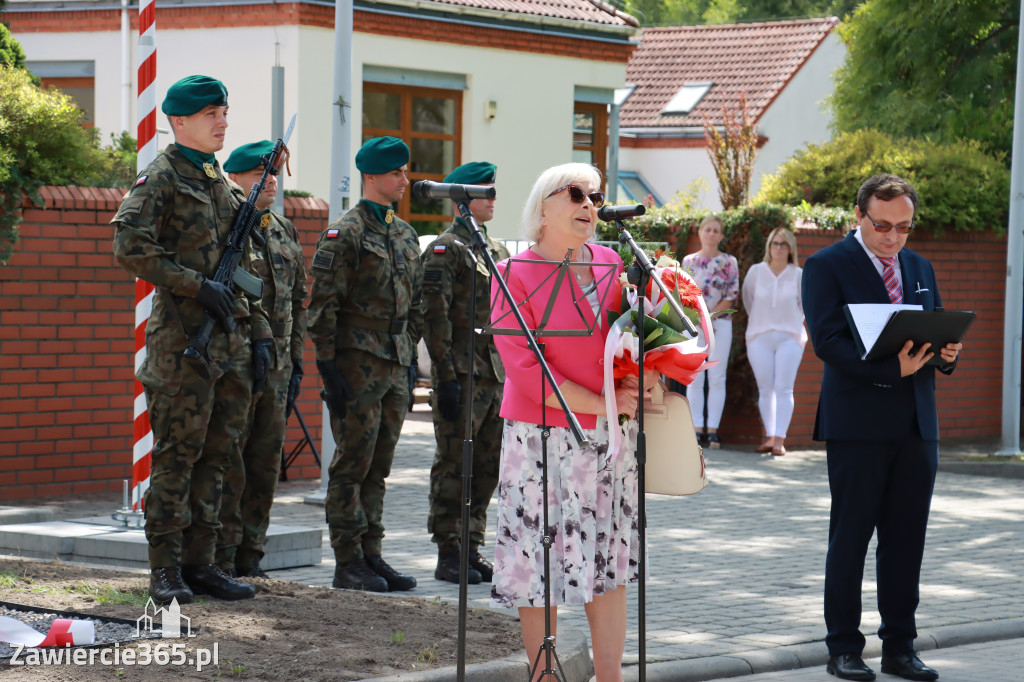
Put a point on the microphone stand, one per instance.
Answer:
(639, 273)
(548, 646)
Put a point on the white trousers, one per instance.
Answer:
(715, 379)
(775, 358)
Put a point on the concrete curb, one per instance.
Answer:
(814, 653)
(571, 648)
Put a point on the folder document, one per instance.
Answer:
(881, 329)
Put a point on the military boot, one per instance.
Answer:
(448, 568)
(253, 571)
(357, 575)
(397, 582)
(212, 580)
(482, 565)
(166, 584)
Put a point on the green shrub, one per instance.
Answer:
(960, 185)
(42, 142)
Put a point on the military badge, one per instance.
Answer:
(332, 233)
(323, 260)
(389, 217)
(208, 169)
(265, 220)
(141, 181)
(440, 248)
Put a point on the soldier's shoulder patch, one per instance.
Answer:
(332, 233)
(323, 260)
(432, 275)
(440, 248)
(140, 181)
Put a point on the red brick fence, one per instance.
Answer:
(67, 343)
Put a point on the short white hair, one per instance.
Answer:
(549, 181)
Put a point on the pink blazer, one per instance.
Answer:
(577, 358)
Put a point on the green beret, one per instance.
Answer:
(192, 94)
(247, 157)
(473, 173)
(382, 155)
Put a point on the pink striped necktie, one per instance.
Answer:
(892, 285)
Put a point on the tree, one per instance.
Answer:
(943, 69)
(713, 12)
(11, 52)
(732, 151)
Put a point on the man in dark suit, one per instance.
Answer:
(879, 422)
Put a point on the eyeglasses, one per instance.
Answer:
(900, 229)
(780, 244)
(577, 195)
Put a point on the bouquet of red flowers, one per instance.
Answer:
(668, 347)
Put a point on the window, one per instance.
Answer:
(429, 120)
(590, 135)
(636, 188)
(77, 79)
(687, 98)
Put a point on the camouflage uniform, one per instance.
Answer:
(365, 317)
(249, 487)
(170, 229)
(447, 265)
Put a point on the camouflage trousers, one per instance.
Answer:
(445, 517)
(197, 430)
(250, 481)
(364, 449)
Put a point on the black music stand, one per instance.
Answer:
(480, 246)
(560, 273)
(288, 457)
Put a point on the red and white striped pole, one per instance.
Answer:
(147, 150)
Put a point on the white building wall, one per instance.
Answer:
(670, 171)
(534, 94)
(799, 115)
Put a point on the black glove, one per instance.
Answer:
(260, 363)
(293, 386)
(336, 390)
(219, 300)
(412, 375)
(448, 393)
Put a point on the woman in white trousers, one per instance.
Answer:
(775, 334)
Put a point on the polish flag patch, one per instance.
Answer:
(440, 248)
(141, 181)
(332, 233)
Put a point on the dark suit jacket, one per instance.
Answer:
(866, 400)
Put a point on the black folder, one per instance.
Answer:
(937, 327)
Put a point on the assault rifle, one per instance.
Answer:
(228, 272)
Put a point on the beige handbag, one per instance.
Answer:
(675, 461)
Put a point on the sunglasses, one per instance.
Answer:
(900, 229)
(577, 195)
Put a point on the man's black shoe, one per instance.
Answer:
(448, 569)
(253, 571)
(849, 667)
(357, 575)
(166, 584)
(482, 565)
(212, 580)
(397, 582)
(908, 666)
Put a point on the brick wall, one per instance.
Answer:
(66, 347)
(67, 316)
(970, 269)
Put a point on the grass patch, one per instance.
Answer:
(103, 594)
(8, 579)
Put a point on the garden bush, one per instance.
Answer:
(961, 186)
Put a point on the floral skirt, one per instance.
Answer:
(592, 516)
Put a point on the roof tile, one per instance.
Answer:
(758, 59)
(577, 10)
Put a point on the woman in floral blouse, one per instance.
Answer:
(718, 276)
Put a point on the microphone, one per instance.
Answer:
(426, 189)
(611, 213)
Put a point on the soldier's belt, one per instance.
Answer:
(281, 329)
(376, 324)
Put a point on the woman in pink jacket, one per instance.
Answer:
(592, 495)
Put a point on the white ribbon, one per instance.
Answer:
(63, 632)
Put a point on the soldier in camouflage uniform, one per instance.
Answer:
(365, 321)
(449, 267)
(170, 229)
(249, 487)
